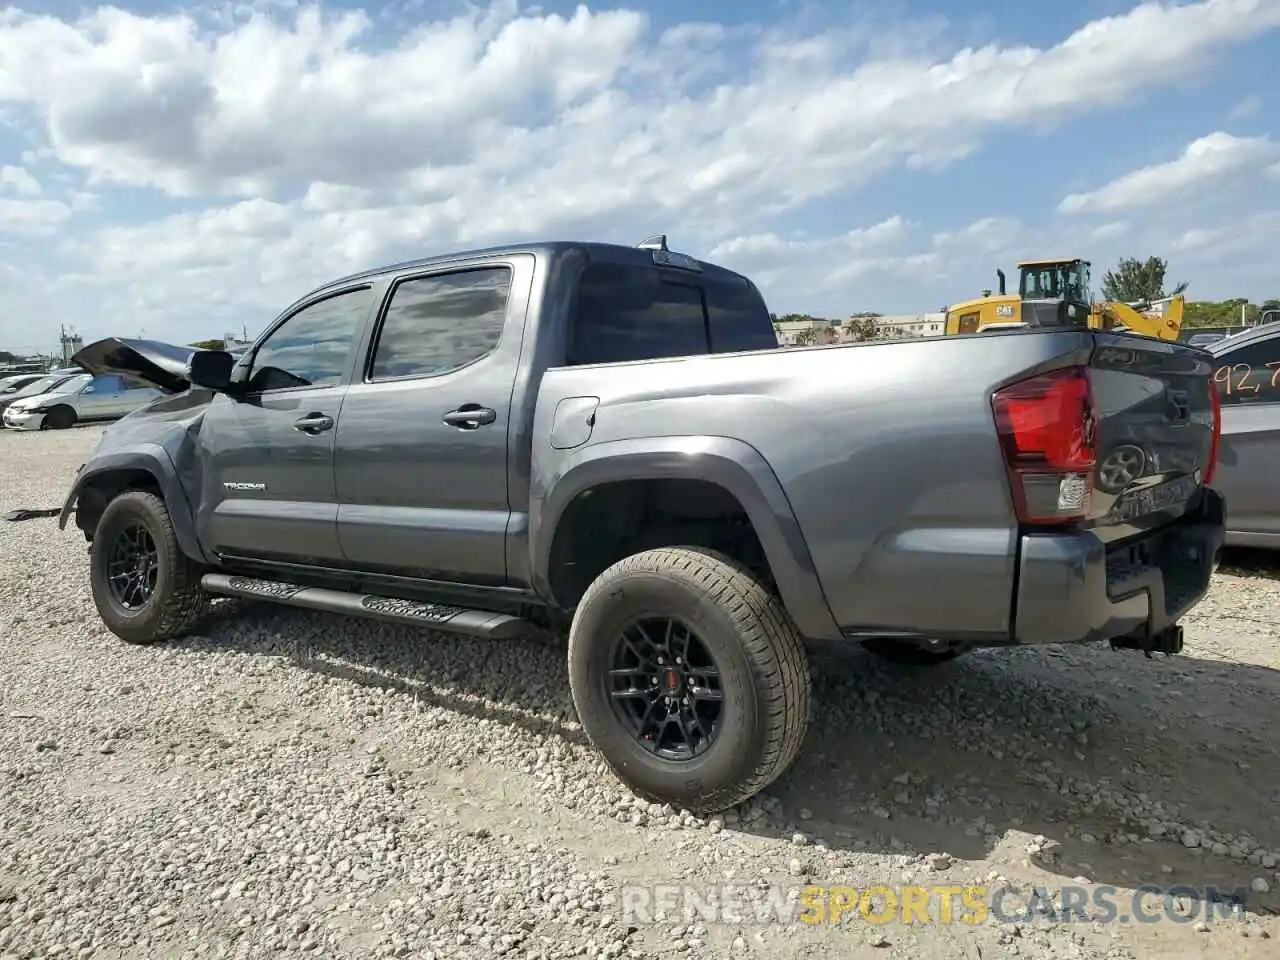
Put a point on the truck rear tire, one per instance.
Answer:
(689, 677)
(145, 588)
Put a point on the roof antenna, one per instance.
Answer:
(658, 242)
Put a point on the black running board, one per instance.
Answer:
(434, 616)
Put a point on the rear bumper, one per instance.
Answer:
(1074, 588)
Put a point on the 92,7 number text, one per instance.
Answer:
(1238, 378)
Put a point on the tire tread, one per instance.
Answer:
(186, 601)
(770, 639)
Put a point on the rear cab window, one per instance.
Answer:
(636, 311)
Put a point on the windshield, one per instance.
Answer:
(47, 383)
(1056, 281)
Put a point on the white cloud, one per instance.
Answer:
(960, 263)
(158, 101)
(1116, 228)
(19, 180)
(1208, 160)
(31, 216)
(326, 144)
(825, 263)
(1249, 107)
(894, 251)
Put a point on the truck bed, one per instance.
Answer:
(890, 461)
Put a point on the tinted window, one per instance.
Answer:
(627, 312)
(312, 348)
(1249, 374)
(59, 384)
(440, 323)
(107, 383)
(738, 317)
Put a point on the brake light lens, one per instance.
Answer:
(1047, 427)
(1212, 467)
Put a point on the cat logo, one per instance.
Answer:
(1004, 310)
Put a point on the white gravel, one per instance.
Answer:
(287, 784)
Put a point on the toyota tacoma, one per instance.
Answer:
(608, 440)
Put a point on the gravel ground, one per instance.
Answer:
(290, 784)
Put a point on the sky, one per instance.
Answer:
(184, 172)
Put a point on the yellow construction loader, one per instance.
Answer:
(1056, 293)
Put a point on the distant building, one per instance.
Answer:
(791, 332)
(816, 332)
(71, 344)
(32, 364)
(912, 325)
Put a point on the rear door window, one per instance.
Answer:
(442, 322)
(629, 312)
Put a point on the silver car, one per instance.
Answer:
(81, 399)
(1247, 373)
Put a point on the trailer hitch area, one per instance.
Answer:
(1168, 641)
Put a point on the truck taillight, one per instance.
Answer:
(1212, 466)
(1047, 426)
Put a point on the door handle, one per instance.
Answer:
(314, 423)
(470, 416)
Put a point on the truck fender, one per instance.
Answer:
(155, 462)
(732, 464)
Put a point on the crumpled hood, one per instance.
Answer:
(162, 365)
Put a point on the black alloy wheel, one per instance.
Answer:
(145, 588)
(689, 677)
(132, 567)
(664, 687)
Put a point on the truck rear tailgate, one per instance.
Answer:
(1143, 551)
(1154, 434)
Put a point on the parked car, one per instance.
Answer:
(42, 385)
(1204, 339)
(1247, 374)
(14, 383)
(609, 441)
(83, 399)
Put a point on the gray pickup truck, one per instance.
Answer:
(608, 440)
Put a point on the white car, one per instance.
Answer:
(82, 399)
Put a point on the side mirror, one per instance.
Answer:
(210, 369)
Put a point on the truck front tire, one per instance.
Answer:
(145, 588)
(689, 677)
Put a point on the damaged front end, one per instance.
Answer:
(148, 448)
(163, 365)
